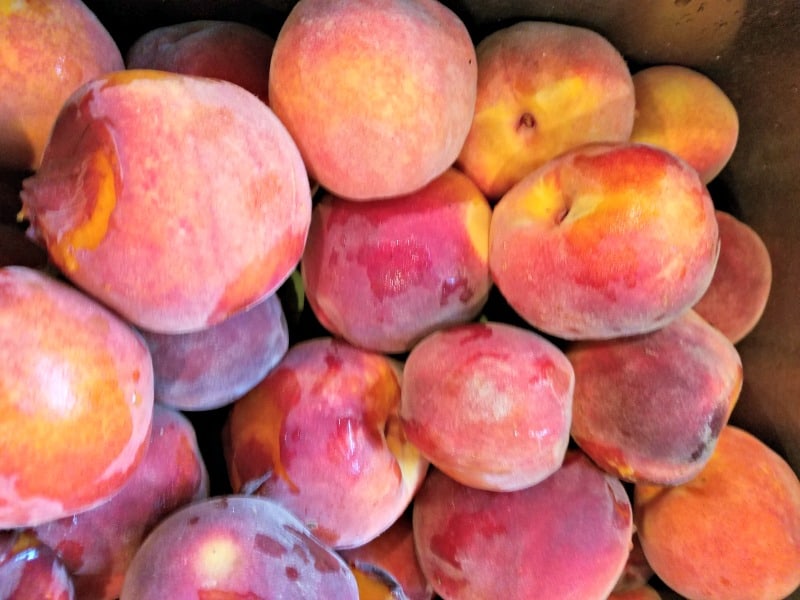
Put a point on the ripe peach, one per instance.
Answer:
(489, 404)
(683, 111)
(737, 296)
(31, 570)
(176, 200)
(98, 545)
(543, 88)
(745, 505)
(321, 435)
(382, 275)
(649, 408)
(235, 547)
(378, 94)
(225, 50)
(566, 537)
(76, 404)
(605, 241)
(642, 592)
(48, 48)
(212, 367)
(637, 572)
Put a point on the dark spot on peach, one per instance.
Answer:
(194, 520)
(324, 559)
(451, 285)
(526, 121)
(269, 546)
(292, 573)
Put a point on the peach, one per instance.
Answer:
(382, 275)
(737, 296)
(48, 48)
(683, 111)
(745, 505)
(543, 88)
(212, 367)
(637, 572)
(378, 94)
(176, 200)
(76, 404)
(225, 50)
(649, 408)
(566, 537)
(98, 545)
(605, 241)
(489, 404)
(642, 592)
(236, 547)
(390, 562)
(321, 435)
(31, 570)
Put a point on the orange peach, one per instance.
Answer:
(745, 505)
(378, 94)
(225, 50)
(543, 88)
(76, 406)
(489, 404)
(321, 435)
(649, 408)
(382, 275)
(176, 200)
(48, 48)
(604, 241)
(737, 296)
(683, 111)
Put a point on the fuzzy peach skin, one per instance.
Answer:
(543, 88)
(745, 505)
(605, 241)
(48, 48)
(31, 570)
(683, 111)
(321, 436)
(225, 50)
(739, 291)
(378, 94)
(489, 404)
(649, 408)
(382, 275)
(174, 199)
(97, 545)
(213, 367)
(76, 402)
(566, 537)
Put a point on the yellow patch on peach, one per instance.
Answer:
(216, 560)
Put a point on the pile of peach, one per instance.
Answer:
(466, 309)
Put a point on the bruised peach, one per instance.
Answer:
(745, 505)
(378, 94)
(683, 111)
(566, 537)
(175, 200)
(489, 404)
(605, 241)
(75, 404)
(543, 88)
(48, 48)
(321, 435)
(382, 275)
(225, 50)
(737, 296)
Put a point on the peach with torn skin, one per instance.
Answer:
(683, 111)
(566, 537)
(378, 94)
(231, 547)
(76, 404)
(489, 404)
(384, 274)
(48, 48)
(649, 408)
(543, 89)
(737, 296)
(321, 435)
(174, 199)
(745, 505)
(98, 545)
(605, 241)
(225, 50)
